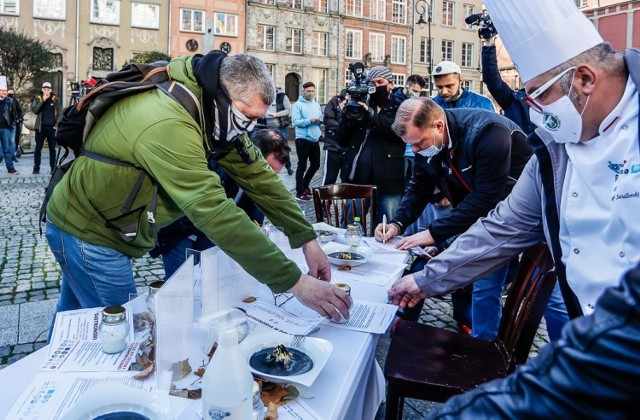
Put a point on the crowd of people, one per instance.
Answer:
(473, 187)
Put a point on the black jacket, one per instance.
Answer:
(9, 111)
(512, 102)
(385, 147)
(331, 119)
(488, 153)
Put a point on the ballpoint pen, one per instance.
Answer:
(384, 228)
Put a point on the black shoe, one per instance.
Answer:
(12, 171)
(36, 171)
(290, 171)
(15, 159)
(1, 159)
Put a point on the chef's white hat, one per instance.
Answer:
(3, 82)
(541, 34)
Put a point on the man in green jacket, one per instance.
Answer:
(156, 134)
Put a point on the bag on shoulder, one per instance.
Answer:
(78, 120)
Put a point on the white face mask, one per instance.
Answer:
(560, 118)
(432, 150)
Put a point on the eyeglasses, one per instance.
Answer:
(530, 100)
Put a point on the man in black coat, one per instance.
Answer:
(334, 157)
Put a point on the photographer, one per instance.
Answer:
(512, 102)
(375, 154)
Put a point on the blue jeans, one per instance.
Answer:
(6, 141)
(177, 254)
(556, 314)
(92, 275)
(387, 204)
(486, 304)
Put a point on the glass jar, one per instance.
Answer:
(259, 408)
(353, 236)
(114, 329)
(153, 289)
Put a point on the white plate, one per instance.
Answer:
(364, 250)
(112, 397)
(317, 349)
(328, 235)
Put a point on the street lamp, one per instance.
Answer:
(422, 7)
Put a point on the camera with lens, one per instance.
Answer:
(486, 30)
(358, 91)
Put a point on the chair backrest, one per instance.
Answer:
(341, 202)
(525, 305)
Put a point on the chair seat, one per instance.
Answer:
(447, 364)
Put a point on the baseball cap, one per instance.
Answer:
(541, 34)
(46, 85)
(446, 67)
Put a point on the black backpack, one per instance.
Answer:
(79, 119)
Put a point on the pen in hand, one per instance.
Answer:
(384, 228)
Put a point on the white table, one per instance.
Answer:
(351, 386)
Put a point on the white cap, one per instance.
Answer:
(3, 82)
(541, 34)
(46, 85)
(445, 67)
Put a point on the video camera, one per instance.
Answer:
(359, 91)
(487, 30)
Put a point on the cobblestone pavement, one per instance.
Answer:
(29, 275)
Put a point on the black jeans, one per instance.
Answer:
(47, 132)
(333, 163)
(306, 150)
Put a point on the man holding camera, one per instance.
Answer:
(375, 154)
(448, 79)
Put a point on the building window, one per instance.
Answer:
(426, 50)
(103, 58)
(469, 9)
(145, 15)
(353, 44)
(353, 8)
(225, 24)
(106, 12)
(320, 43)
(468, 85)
(348, 76)
(48, 9)
(323, 6)
(294, 41)
(320, 80)
(378, 9)
(269, 2)
(448, 13)
(10, 7)
(376, 47)
(268, 34)
(295, 4)
(467, 54)
(582, 3)
(399, 11)
(192, 20)
(272, 70)
(398, 49)
(447, 50)
(397, 79)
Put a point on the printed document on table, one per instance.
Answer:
(373, 271)
(371, 317)
(50, 395)
(75, 345)
(281, 320)
(297, 409)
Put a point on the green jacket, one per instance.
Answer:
(153, 132)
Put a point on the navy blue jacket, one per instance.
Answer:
(591, 372)
(488, 153)
(512, 102)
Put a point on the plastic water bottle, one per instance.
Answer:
(227, 385)
(356, 222)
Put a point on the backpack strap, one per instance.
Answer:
(181, 94)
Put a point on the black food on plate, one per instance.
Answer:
(281, 361)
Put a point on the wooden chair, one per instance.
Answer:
(430, 363)
(333, 201)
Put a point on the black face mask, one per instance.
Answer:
(380, 96)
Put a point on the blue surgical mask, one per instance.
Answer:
(432, 150)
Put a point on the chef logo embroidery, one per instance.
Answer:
(551, 122)
(618, 168)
